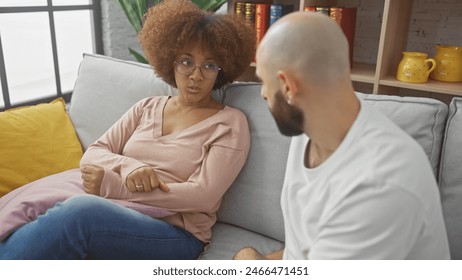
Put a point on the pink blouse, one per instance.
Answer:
(198, 163)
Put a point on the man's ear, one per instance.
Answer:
(288, 84)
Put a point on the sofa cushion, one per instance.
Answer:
(422, 118)
(253, 201)
(105, 89)
(451, 178)
(228, 239)
(36, 141)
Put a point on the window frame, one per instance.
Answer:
(95, 9)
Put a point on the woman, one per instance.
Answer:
(178, 153)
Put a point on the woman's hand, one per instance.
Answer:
(144, 179)
(92, 176)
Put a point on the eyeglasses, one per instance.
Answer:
(186, 67)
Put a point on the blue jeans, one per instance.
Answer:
(91, 227)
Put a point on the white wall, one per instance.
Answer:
(118, 34)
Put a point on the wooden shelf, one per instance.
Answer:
(430, 86)
(379, 78)
(362, 72)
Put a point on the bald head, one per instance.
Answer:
(310, 44)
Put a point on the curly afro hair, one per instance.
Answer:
(172, 25)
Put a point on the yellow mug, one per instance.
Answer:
(414, 67)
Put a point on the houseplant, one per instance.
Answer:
(135, 10)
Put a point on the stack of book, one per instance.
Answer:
(260, 15)
(345, 17)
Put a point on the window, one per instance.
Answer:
(41, 46)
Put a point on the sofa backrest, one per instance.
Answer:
(105, 89)
(253, 201)
(451, 177)
(422, 118)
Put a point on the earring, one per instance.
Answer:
(289, 101)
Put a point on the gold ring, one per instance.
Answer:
(139, 187)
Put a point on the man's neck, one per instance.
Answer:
(327, 126)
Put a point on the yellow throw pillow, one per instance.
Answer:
(36, 141)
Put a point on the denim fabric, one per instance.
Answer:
(90, 227)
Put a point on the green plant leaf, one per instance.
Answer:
(139, 57)
(134, 10)
(210, 5)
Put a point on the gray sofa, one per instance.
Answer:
(250, 213)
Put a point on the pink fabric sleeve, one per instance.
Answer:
(112, 179)
(107, 150)
(203, 190)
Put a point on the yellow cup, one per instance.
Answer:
(415, 67)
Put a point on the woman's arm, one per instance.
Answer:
(107, 150)
(202, 192)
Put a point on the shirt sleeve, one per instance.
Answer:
(203, 191)
(107, 150)
(370, 224)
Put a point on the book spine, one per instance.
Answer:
(239, 9)
(336, 15)
(262, 14)
(275, 13)
(309, 9)
(323, 10)
(346, 19)
(250, 13)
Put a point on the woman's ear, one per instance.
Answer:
(288, 85)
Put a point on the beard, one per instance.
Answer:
(289, 119)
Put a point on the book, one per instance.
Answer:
(262, 20)
(275, 13)
(250, 14)
(323, 10)
(309, 9)
(239, 9)
(346, 18)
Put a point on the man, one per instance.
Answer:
(356, 185)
